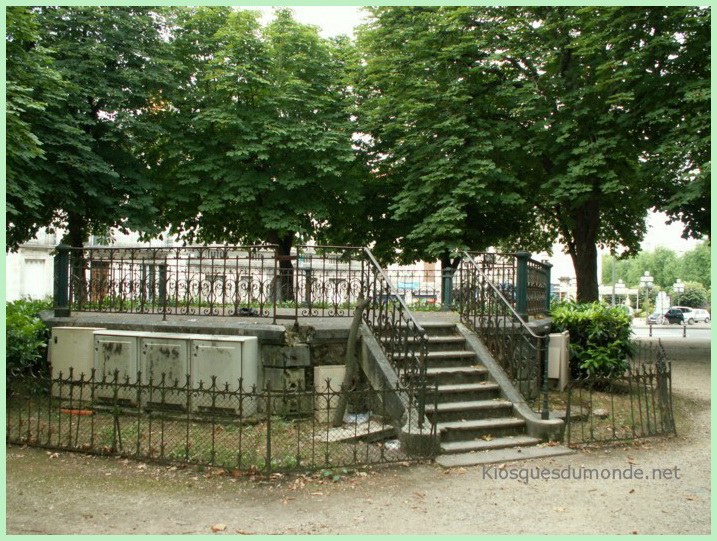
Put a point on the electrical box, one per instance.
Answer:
(558, 359)
(163, 355)
(116, 352)
(72, 347)
(164, 361)
(225, 361)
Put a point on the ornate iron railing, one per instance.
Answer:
(484, 308)
(401, 337)
(210, 280)
(523, 282)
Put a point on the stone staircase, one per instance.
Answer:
(466, 408)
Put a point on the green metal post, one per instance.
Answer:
(61, 291)
(521, 285)
(547, 266)
(447, 288)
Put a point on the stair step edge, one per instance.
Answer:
(447, 388)
(483, 445)
(499, 422)
(471, 405)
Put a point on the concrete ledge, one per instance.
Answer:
(548, 430)
(267, 333)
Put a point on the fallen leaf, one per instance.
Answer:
(219, 527)
(244, 532)
(487, 437)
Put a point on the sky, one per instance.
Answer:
(336, 20)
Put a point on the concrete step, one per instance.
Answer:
(485, 429)
(502, 456)
(444, 358)
(485, 390)
(447, 375)
(473, 446)
(469, 410)
(466, 358)
(437, 343)
(439, 328)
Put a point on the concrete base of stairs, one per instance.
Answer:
(501, 455)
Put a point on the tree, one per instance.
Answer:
(438, 134)
(31, 82)
(664, 265)
(547, 105)
(696, 265)
(694, 295)
(680, 120)
(257, 130)
(90, 176)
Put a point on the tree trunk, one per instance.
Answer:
(583, 250)
(285, 281)
(75, 237)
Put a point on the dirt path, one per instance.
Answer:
(73, 494)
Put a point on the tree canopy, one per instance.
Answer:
(87, 175)
(257, 130)
(544, 119)
(445, 128)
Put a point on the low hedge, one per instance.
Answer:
(599, 337)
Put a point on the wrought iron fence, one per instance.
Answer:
(215, 425)
(209, 280)
(631, 405)
(522, 354)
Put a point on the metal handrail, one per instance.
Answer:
(503, 347)
(505, 301)
(400, 336)
(394, 290)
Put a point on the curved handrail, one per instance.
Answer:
(509, 355)
(505, 301)
(394, 291)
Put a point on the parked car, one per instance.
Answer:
(701, 315)
(656, 318)
(687, 311)
(674, 315)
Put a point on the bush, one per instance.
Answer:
(599, 337)
(25, 339)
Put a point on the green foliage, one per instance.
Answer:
(256, 132)
(664, 265)
(483, 126)
(88, 175)
(599, 337)
(25, 339)
(31, 83)
(441, 138)
(694, 295)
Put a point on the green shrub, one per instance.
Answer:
(599, 337)
(25, 339)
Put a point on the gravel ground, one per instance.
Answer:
(63, 493)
